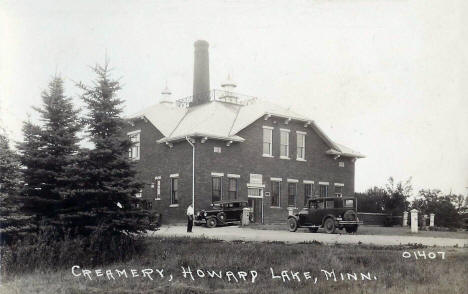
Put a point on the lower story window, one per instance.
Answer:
(292, 192)
(339, 191)
(308, 192)
(139, 194)
(275, 193)
(174, 191)
(323, 190)
(157, 189)
(232, 193)
(216, 189)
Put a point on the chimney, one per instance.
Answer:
(201, 74)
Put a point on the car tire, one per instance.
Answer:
(329, 225)
(292, 224)
(211, 222)
(313, 230)
(351, 229)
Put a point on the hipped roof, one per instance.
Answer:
(223, 121)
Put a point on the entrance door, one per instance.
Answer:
(255, 196)
(256, 205)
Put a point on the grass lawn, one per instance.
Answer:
(377, 230)
(388, 270)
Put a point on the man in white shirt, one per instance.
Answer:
(189, 218)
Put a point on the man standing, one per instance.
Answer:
(189, 218)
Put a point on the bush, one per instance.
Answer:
(388, 222)
(45, 252)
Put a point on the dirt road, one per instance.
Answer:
(231, 233)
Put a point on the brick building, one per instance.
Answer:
(233, 146)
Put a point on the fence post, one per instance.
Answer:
(431, 220)
(414, 221)
(405, 218)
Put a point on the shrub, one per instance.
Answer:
(44, 251)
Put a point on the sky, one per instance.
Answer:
(386, 78)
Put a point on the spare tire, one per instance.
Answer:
(350, 215)
(221, 217)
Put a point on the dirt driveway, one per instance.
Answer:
(231, 233)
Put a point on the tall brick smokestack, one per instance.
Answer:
(201, 74)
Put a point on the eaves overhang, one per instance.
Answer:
(344, 154)
(201, 135)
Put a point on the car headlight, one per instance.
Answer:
(205, 214)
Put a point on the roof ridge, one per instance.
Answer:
(178, 123)
(234, 120)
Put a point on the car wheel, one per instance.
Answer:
(329, 225)
(351, 229)
(292, 224)
(221, 216)
(313, 230)
(211, 222)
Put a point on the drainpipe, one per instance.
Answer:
(193, 171)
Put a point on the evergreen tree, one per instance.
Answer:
(106, 199)
(13, 223)
(49, 156)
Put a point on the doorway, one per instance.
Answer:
(255, 197)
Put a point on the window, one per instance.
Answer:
(134, 150)
(338, 191)
(300, 146)
(138, 195)
(349, 203)
(174, 191)
(157, 188)
(330, 204)
(267, 141)
(284, 143)
(216, 189)
(275, 193)
(316, 204)
(323, 190)
(232, 191)
(308, 192)
(341, 164)
(217, 149)
(147, 205)
(292, 189)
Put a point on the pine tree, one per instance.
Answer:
(48, 154)
(106, 200)
(13, 224)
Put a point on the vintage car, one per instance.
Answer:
(464, 217)
(221, 212)
(330, 213)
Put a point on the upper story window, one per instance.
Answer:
(300, 145)
(341, 164)
(267, 141)
(284, 143)
(134, 150)
(174, 191)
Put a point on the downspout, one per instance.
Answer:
(193, 171)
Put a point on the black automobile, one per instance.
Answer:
(330, 213)
(221, 212)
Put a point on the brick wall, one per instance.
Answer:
(242, 159)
